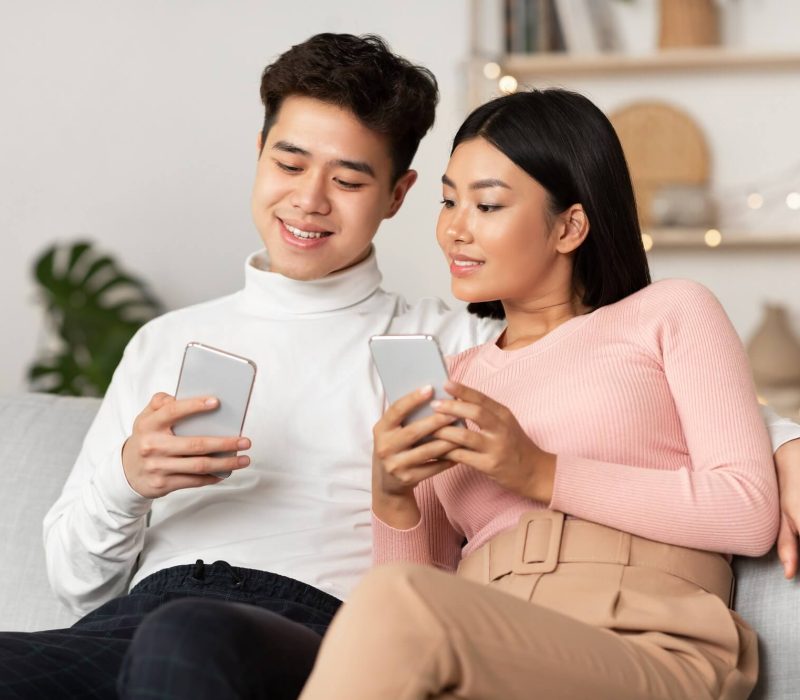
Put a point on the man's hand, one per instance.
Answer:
(787, 462)
(157, 462)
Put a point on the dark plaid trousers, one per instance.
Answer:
(197, 631)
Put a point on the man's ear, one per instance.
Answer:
(399, 191)
(572, 229)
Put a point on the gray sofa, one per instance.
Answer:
(40, 436)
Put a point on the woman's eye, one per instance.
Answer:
(448, 203)
(487, 208)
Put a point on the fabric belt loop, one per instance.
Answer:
(624, 552)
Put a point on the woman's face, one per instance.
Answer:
(495, 231)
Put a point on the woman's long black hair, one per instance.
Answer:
(563, 141)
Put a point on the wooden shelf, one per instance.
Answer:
(681, 238)
(672, 60)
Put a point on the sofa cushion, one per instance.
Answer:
(41, 437)
(771, 605)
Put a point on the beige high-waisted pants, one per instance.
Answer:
(553, 609)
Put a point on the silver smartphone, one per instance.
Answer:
(409, 362)
(207, 371)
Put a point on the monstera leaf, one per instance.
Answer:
(94, 307)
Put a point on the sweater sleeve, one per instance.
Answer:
(95, 530)
(433, 540)
(781, 430)
(724, 498)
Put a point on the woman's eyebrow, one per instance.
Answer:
(478, 184)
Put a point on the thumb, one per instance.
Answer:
(787, 547)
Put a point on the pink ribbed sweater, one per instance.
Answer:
(650, 408)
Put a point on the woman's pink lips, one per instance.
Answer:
(464, 271)
(304, 243)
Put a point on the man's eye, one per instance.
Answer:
(288, 168)
(448, 203)
(349, 185)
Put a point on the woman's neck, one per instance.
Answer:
(532, 320)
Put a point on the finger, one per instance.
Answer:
(173, 411)
(470, 458)
(465, 393)
(200, 445)
(467, 411)
(411, 434)
(400, 409)
(787, 547)
(418, 456)
(174, 482)
(205, 465)
(462, 437)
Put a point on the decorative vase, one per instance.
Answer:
(686, 23)
(774, 351)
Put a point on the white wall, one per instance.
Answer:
(134, 123)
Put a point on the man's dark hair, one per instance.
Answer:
(565, 143)
(386, 92)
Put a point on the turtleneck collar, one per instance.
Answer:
(272, 295)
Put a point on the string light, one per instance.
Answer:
(508, 84)
(491, 70)
(647, 241)
(712, 238)
(755, 200)
(793, 200)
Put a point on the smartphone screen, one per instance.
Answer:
(208, 371)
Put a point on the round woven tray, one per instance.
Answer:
(663, 146)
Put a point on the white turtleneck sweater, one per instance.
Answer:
(302, 507)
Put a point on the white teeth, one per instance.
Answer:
(467, 263)
(303, 234)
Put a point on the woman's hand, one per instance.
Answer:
(787, 462)
(499, 448)
(400, 461)
(157, 462)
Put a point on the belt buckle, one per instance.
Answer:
(548, 563)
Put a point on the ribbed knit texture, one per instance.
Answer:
(650, 408)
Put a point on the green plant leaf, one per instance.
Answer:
(94, 307)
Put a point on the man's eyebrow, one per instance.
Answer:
(357, 165)
(478, 184)
(290, 148)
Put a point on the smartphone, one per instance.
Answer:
(207, 371)
(409, 362)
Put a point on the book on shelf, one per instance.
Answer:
(531, 26)
(577, 26)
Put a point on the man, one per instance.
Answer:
(233, 582)
(273, 549)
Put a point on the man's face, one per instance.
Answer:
(323, 186)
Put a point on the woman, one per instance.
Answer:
(600, 400)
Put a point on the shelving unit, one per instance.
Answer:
(702, 61)
(683, 60)
(694, 239)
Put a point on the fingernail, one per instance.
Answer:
(243, 461)
(436, 403)
(243, 444)
(211, 402)
(425, 390)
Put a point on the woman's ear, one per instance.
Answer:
(573, 230)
